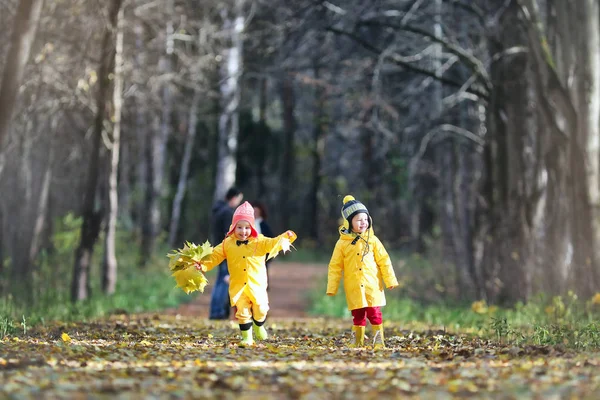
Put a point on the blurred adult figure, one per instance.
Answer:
(222, 213)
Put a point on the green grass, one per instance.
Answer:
(155, 291)
(558, 320)
(138, 289)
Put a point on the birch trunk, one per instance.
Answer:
(231, 73)
(109, 266)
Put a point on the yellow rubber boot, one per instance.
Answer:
(358, 333)
(247, 338)
(260, 332)
(378, 338)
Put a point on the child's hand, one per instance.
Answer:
(200, 267)
(290, 233)
(392, 287)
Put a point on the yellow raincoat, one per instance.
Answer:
(365, 272)
(246, 264)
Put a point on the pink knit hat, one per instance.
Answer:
(245, 212)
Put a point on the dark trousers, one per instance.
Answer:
(219, 300)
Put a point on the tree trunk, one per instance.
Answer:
(142, 133)
(319, 128)
(42, 209)
(567, 91)
(109, 265)
(231, 73)
(586, 94)
(288, 157)
(92, 214)
(156, 154)
(21, 40)
(125, 161)
(262, 123)
(3, 277)
(185, 167)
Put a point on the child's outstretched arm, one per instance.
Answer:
(216, 257)
(384, 263)
(274, 245)
(334, 274)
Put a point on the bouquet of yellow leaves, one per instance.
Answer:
(183, 264)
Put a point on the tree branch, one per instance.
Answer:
(484, 95)
(476, 64)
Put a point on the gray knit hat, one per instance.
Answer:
(350, 208)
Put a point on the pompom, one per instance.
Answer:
(348, 198)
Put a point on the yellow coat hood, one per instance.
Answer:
(366, 267)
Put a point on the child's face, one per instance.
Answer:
(360, 222)
(242, 230)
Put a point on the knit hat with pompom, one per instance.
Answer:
(350, 208)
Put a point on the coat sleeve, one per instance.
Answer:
(384, 263)
(336, 266)
(271, 245)
(217, 257)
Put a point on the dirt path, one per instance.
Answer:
(289, 287)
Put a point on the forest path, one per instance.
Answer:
(290, 284)
(184, 357)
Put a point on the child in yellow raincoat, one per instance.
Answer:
(361, 257)
(245, 252)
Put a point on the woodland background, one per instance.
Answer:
(470, 129)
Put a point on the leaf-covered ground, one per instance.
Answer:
(183, 357)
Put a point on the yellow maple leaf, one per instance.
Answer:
(190, 280)
(188, 256)
(596, 299)
(283, 245)
(65, 338)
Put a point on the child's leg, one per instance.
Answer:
(374, 315)
(359, 317)
(376, 319)
(259, 316)
(244, 317)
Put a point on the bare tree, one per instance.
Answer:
(93, 213)
(23, 35)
